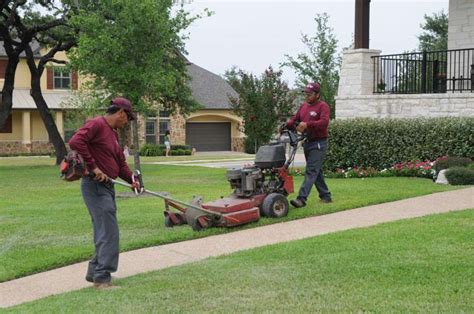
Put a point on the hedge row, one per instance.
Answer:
(381, 143)
(159, 150)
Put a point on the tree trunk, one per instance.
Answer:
(53, 133)
(136, 146)
(7, 92)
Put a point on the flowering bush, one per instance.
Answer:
(353, 173)
(414, 169)
(422, 169)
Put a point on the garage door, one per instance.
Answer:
(208, 136)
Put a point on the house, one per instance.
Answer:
(213, 128)
(24, 132)
(407, 85)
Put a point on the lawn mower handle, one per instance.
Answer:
(295, 138)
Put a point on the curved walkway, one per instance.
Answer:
(71, 277)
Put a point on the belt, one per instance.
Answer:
(309, 140)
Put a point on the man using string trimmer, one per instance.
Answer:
(97, 143)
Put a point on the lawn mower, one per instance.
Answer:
(259, 189)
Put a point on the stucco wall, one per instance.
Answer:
(23, 77)
(37, 129)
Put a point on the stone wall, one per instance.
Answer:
(406, 106)
(17, 147)
(178, 129)
(238, 144)
(356, 99)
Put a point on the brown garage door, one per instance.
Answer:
(208, 136)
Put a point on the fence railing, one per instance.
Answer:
(425, 72)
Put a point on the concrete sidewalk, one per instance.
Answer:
(71, 277)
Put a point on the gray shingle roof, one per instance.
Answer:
(209, 89)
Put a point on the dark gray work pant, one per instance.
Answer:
(100, 200)
(314, 153)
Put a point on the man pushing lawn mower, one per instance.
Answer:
(312, 118)
(97, 143)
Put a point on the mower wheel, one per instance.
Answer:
(177, 220)
(199, 223)
(275, 205)
(168, 222)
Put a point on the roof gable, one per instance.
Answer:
(208, 89)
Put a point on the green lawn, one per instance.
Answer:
(423, 265)
(44, 224)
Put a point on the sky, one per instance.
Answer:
(253, 35)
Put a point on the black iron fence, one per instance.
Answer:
(425, 72)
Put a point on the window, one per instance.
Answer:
(62, 78)
(164, 126)
(7, 128)
(150, 132)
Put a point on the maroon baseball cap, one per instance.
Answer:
(312, 88)
(126, 105)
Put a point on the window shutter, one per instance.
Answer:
(74, 79)
(49, 78)
(3, 68)
(7, 128)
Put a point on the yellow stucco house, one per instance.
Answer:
(213, 128)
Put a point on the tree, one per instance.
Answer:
(21, 26)
(321, 63)
(262, 103)
(435, 34)
(133, 49)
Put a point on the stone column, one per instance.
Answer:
(26, 124)
(357, 72)
(26, 131)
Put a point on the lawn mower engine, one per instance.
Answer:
(258, 190)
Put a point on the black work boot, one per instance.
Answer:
(298, 203)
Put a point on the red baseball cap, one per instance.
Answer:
(126, 105)
(312, 88)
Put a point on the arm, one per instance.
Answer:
(292, 123)
(80, 143)
(124, 173)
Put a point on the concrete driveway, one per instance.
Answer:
(232, 163)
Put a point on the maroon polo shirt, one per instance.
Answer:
(316, 116)
(98, 144)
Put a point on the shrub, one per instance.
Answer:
(460, 176)
(177, 152)
(160, 149)
(151, 150)
(448, 162)
(380, 143)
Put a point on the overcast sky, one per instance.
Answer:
(255, 34)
